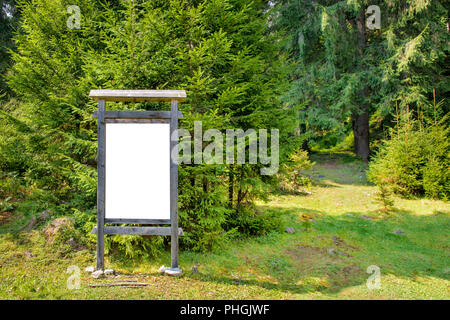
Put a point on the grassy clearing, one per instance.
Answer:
(346, 222)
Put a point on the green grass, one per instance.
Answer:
(413, 265)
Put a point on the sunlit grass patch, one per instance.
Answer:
(339, 233)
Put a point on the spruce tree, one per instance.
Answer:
(221, 52)
(348, 74)
(9, 18)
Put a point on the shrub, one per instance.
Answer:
(10, 185)
(414, 161)
(291, 179)
(203, 207)
(250, 222)
(127, 245)
(233, 75)
(134, 245)
(384, 196)
(436, 180)
(13, 151)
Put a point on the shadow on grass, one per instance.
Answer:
(291, 213)
(283, 287)
(419, 248)
(302, 263)
(303, 193)
(407, 243)
(337, 168)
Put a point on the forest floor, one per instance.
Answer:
(326, 258)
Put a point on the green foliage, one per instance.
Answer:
(14, 135)
(436, 179)
(134, 246)
(414, 161)
(250, 222)
(6, 205)
(290, 176)
(203, 207)
(64, 238)
(9, 20)
(10, 186)
(384, 196)
(221, 52)
(86, 220)
(344, 69)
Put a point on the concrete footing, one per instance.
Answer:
(173, 271)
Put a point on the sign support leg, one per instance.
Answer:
(101, 185)
(174, 186)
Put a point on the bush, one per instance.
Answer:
(127, 245)
(247, 221)
(203, 208)
(10, 186)
(290, 178)
(134, 245)
(436, 181)
(233, 75)
(414, 161)
(13, 151)
(384, 196)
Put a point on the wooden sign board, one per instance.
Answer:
(137, 178)
(137, 171)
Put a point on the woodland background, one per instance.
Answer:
(312, 69)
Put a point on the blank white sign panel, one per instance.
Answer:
(137, 169)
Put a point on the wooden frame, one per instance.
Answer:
(128, 116)
(137, 114)
(138, 95)
(154, 231)
(137, 221)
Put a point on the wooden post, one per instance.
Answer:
(101, 184)
(174, 183)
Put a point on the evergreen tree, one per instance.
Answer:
(347, 74)
(9, 17)
(219, 51)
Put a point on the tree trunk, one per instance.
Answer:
(305, 146)
(230, 188)
(239, 197)
(360, 124)
(360, 121)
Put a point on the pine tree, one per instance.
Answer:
(9, 17)
(347, 73)
(221, 52)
